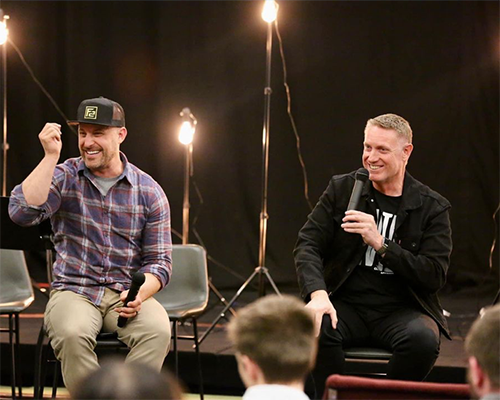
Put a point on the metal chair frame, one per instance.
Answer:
(13, 306)
(375, 356)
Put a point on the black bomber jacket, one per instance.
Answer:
(325, 255)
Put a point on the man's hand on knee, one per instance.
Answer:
(132, 308)
(320, 305)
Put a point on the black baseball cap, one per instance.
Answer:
(99, 111)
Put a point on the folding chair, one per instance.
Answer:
(186, 295)
(16, 295)
(367, 361)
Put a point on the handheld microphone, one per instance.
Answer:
(137, 280)
(361, 177)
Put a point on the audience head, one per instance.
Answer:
(482, 345)
(119, 380)
(274, 341)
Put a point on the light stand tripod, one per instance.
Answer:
(5, 146)
(186, 135)
(269, 15)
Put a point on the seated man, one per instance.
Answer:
(110, 219)
(371, 274)
(275, 347)
(482, 345)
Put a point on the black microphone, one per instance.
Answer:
(137, 280)
(361, 177)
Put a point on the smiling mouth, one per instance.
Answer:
(374, 167)
(92, 153)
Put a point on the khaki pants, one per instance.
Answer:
(72, 322)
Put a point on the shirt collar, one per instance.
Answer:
(275, 391)
(126, 173)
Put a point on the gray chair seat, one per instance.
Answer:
(184, 311)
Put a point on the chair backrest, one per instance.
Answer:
(16, 291)
(186, 295)
(352, 387)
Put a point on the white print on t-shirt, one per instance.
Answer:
(386, 224)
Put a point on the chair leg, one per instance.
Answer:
(55, 379)
(12, 355)
(38, 365)
(198, 356)
(176, 352)
(16, 359)
(42, 358)
(40, 368)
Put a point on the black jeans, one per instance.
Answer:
(413, 338)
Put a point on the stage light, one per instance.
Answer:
(269, 15)
(186, 135)
(4, 32)
(270, 11)
(188, 127)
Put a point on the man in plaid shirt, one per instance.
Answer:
(110, 219)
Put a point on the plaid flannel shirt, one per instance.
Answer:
(101, 241)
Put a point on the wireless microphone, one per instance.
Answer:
(137, 280)
(361, 177)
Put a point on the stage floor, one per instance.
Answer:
(219, 365)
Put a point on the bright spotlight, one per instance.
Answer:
(270, 11)
(4, 32)
(186, 133)
(188, 127)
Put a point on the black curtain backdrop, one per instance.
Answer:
(435, 63)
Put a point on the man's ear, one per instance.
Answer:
(407, 151)
(122, 134)
(476, 374)
(250, 366)
(246, 369)
(251, 370)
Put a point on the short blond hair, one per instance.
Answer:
(483, 343)
(277, 333)
(392, 121)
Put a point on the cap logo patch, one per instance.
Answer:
(90, 112)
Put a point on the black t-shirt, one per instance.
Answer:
(371, 283)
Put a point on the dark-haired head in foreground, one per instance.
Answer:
(118, 380)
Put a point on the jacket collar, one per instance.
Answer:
(410, 199)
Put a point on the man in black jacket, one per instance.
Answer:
(371, 275)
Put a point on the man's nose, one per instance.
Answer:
(87, 142)
(373, 155)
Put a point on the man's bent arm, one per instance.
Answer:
(37, 185)
(150, 286)
(157, 240)
(313, 241)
